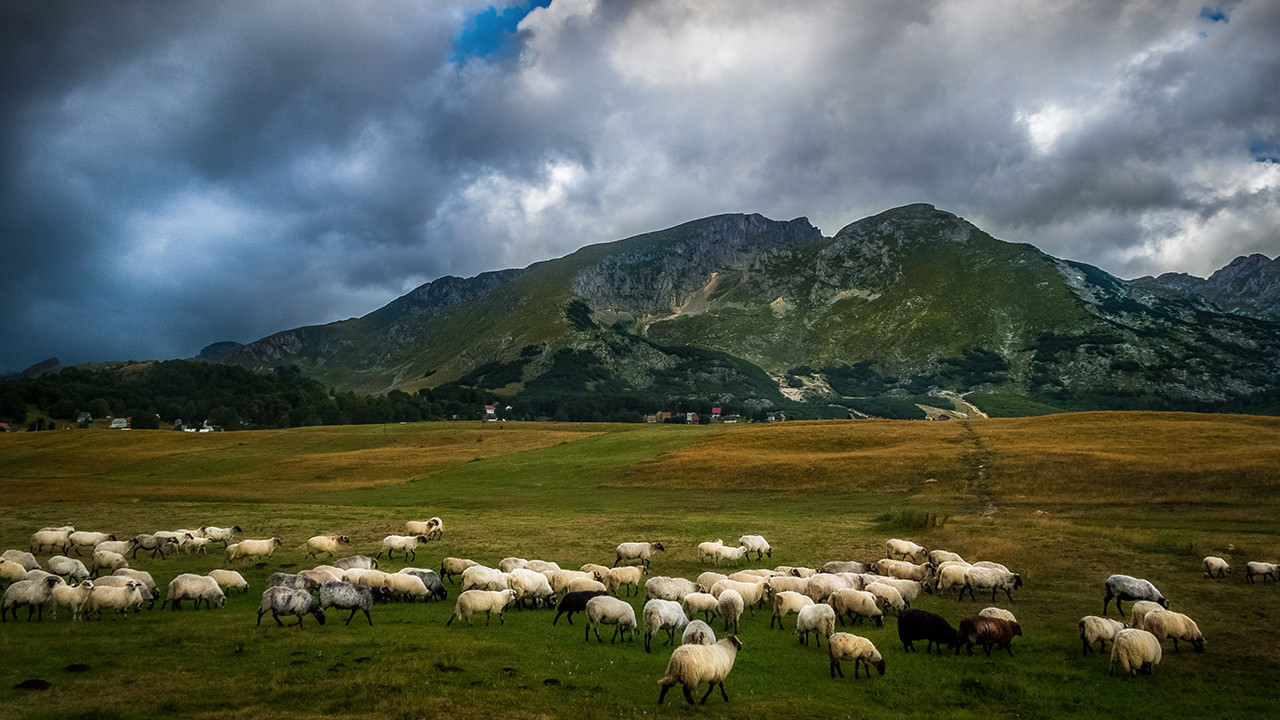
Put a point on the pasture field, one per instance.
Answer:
(1064, 499)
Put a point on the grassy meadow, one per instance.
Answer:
(1063, 499)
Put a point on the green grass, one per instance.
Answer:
(1065, 500)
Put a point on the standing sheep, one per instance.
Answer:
(69, 568)
(1265, 569)
(629, 576)
(698, 633)
(856, 605)
(350, 562)
(819, 620)
(120, 599)
(229, 579)
(347, 596)
(452, 567)
(756, 544)
(787, 602)
(1096, 629)
(1135, 651)
(71, 597)
(671, 588)
(993, 579)
(1127, 587)
(36, 594)
(905, 550)
(51, 538)
(707, 549)
(690, 665)
(573, 602)
(196, 588)
(288, 601)
(81, 539)
(23, 558)
(432, 528)
(408, 544)
(632, 551)
(326, 544)
(986, 631)
(660, 615)
(846, 646)
(106, 560)
(1175, 626)
(220, 534)
(1215, 566)
(608, 610)
(470, 602)
(730, 605)
(922, 625)
(699, 602)
(733, 555)
(253, 549)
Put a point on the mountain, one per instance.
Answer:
(901, 311)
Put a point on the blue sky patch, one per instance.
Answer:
(1214, 15)
(1265, 152)
(492, 33)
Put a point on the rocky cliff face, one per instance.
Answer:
(1249, 285)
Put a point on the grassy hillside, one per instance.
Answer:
(1065, 500)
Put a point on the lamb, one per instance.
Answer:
(106, 560)
(196, 544)
(729, 605)
(23, 558)
(787, 602)
(922, 625)
(671, 588)
(846, 646)
(227, 579)
(698, 633)
(1139, 610)
(659, 615)
(608, 610)
(72, 597)
(196, 588)
(690, 665)
(1215, 566)
(629, 576)
(407, 544)
(996, 612)
(68, 568)
(1126, 587)
(288, 601)
(531, 586)
(700, 602)
(254, 549)
(1265, 569)
(987, 631)
(752, 593)
(641, 551)
(51, 538)
(121, 599)
(856, 605)
(1175, 626)
(489, 602)
(905, 550)
(1134, 651)
(993, 579)
(819, 620)
(80, 539)
(220, 534)
(730, 554)
(347, 596)
(1096, 629)
(363, 562)
(707, 549)
(326, 544)
(574, 602)
(756, 544)
(36, 594)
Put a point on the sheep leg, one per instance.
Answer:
(817, 638)
(276, 616)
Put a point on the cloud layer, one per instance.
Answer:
(183, 173)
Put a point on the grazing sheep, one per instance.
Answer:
(403, 586)
(407, 544)
(106, 560)
(599, 571)
(220, 534)
(1265, 569)
(818, 619)
(1096, 629)
(856, 605)
(1127, 587)
(996, 612)
(51, 538)
(993, 579)
(690, 665)
(23, 558)
(1139, 610)
(326, 544)
(787, 602)
(68, 568)
(920, 572)
(121, 599)
(845, 566)
(893, 599)
(72, 597)
(752, 593)
(141, 576)
(124, 581)
(347, 596)
(937, 557)
(156, 543)
(470, 602)
(908, 589)
(707, 579)
(987, 631)
(905, 550)
(253, 549)
(11, 572)
(670, 588)
(608, 610)
(707, 549)
(922, 625)
(629, 552)
(350, 562)
(700, 602)
(785, 583)
(81, 539)
(1215, 566)
(660, 615)
(1134, 651)
(36, 594)
(846, 646)
(435, 588)
(629, 576)
(531, 586)
(950, 576)
(729, 605)
(1175, 626)
(196, 588)
(227, 579)
(574, 602)
(288, 601)
(756, 544)
(821, 586)
(698, 633)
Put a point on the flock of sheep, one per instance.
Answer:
(843, 591)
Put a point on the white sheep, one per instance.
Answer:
(1139, 610)
(347, 596)
(847, 646)
(561, 579)
(541, 566)
(507, 564)
(844, 566)
(889, 594)
(1134, 650)
(532, 586)
(609, 610)
(11, 572)
(197, 588)
(470, 602)
(228, 579)
(905, 550)
(326, 544)
(81, 539)
(407, 544)
(658, 615)
(1215, 566)
(452, 567)
(993, 579)
(120, 547)
(629, 576)
(1174, 626)
(124, 581)
(1127, 587)
(908, 589)
(820, 586)
(254, 549)
(36, 594)
(700, 602)
(669, 588)
(920, 572)
(950, 576)
(857, 604)
(68, 568)
(220, 534)
(585, 584)
(729, 606)
(599, 571)
(706, 579)
(106, 560)
(156, 543)
(729, 554)
(698, 633)
(289, 601)
(120, 599)
(756, 544)
(629, 552)
(779, 583)
(787, 602)
(356, 561)
(991, 565)
(937, 557)
(690, 665)
(52, 538)
(405, 586)
(818, 620)
(23, 558)
(141, 576)
(72, 597)
(432, 528)
(479, 577)
(1265, 569)
(996, 612)
(752, 593)
(707, 549)
(1097, 629)
(196, 545)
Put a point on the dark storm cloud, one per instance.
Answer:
(182, 173)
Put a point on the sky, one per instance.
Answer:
(181, 173)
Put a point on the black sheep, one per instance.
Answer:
(921, 625)
(574, 602)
